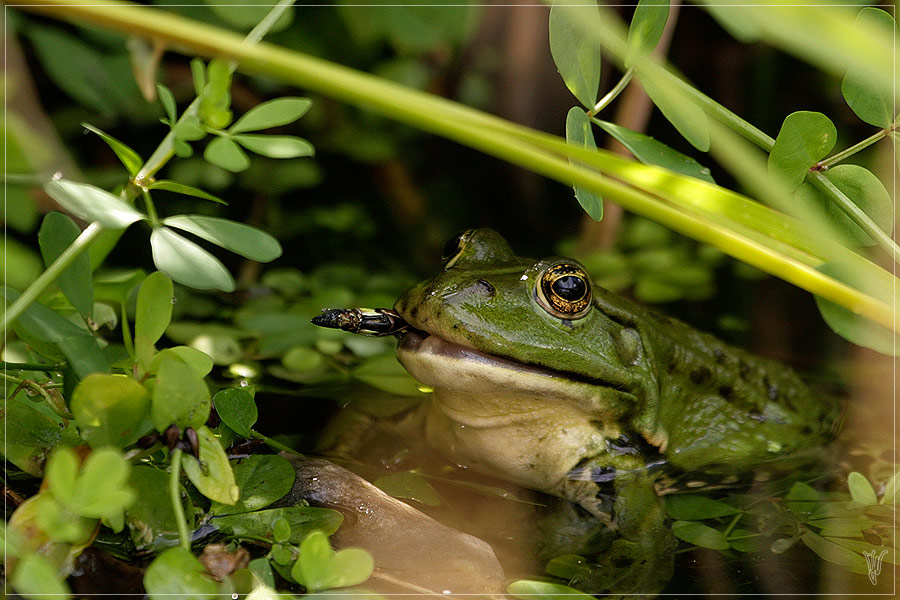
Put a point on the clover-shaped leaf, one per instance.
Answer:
(272, 113)
(276, 146)
(187, 263)
(321, 568)
(239, 238)
(224, 152)
(91, 203)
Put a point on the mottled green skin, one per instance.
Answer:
(627, 387)
(699, 401)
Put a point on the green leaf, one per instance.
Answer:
(153, 313)
(109, 410)
(408, 484)
(652, 152)
(239, 238)
(56, 234)
(40, 325)
(890, 490)
(35, 578)
(526, 589)
(805, 138)
(211, 474)
(689, 119)
(861, 491)
(874, 105)
(646, 27)
(849, 325)
(691, 507)
(865, 190)
(700, 535)
(180, 397)
(321, 568)
(152, 521)
(189, 128)
(90, 203)
(262, 479)
(833, 553)
(574, 49)
(72, 65)
(579, 133)
(841, 526)
(237, 410)
(128, 157)
(224, 152)
(61, 473)
(177, 573)
(197, 360)
(272, 113)
(198, 75)
(276, 146)
(27, 436)
(187, 263)
(101, 490)
(216, 97)
(804, 501)
(303, 520)
(385, 373)
(180, 188)
(168, 101)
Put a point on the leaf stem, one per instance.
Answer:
(731, 525)
(834, 159)
(862, 220)
(175, 497)
(613, 93)
(46, 279)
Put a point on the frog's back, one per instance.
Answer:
(720, 406)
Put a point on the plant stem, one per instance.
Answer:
(541, 153)
(43, 367)
(274, 444)
(731, 525)
(50, 275)
(862, 220)
(836, 158)
(613, 93)
(184, 535)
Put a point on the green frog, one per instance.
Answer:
(546, 380)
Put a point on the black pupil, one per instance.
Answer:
(570, 287)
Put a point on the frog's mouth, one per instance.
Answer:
(439, 363)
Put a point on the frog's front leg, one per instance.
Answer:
(620, 492)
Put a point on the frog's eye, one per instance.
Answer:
(565, 291)
(454, 247)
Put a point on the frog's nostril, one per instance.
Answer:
(487, 287)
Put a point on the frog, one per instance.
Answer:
(544, 379)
